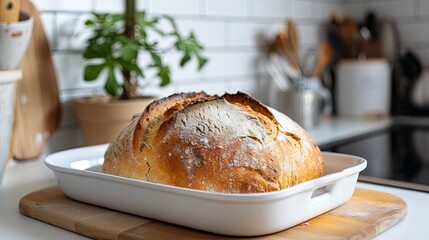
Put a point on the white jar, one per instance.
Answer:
(7, 97)
(363, 88)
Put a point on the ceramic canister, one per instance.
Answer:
(7, 97)
(363, 88)
(14, 38)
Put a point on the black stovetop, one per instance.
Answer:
(397, 155)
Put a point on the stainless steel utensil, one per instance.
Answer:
(276, 75)
(308, 63)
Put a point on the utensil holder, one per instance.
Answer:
(305, 102)
(304, 107)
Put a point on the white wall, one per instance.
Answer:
(411, 16)
(233, 31)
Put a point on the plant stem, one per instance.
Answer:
(130, 18)
(130, 80)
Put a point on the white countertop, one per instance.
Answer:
(22, 178)
(336, 129)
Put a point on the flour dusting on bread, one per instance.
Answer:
(212, 120)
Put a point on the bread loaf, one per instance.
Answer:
(230, 144)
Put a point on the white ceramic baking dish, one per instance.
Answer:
(78, 174)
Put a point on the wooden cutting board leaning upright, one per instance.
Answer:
(38, 108)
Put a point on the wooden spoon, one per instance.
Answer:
(324, 57)
(280, 46)
(293, 39)
(349, 32)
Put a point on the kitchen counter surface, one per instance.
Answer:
(329, 131)
(22, 178)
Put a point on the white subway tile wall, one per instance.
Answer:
(355, 9)
(402, 8)
(227, 8)
(63, 5)
(211, 33)
(411, 17)
(176, 7)
(48, 23)
(269, 8)
(234, 32)
(423, 7)
(109, 6)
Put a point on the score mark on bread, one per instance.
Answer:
(230, 143)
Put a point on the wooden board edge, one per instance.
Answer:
(30, 206)
(386, 223)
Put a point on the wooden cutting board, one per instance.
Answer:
(38, 108)
(367, 214)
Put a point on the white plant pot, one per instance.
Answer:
(14, 38)
(7, 95)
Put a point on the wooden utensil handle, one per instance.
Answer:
(9, 10)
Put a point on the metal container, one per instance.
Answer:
(304, 107)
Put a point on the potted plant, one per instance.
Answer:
(114, 48)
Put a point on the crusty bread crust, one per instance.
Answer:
(230, 143)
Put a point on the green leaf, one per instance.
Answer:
(145, 23)
(156, 59)
(99, 16)
(186, 58)
(173, 24)
(91, 54)
(112, 86)
(92, 71)
(89, 22)
(202, 61)
(164, 74)
(130, 67)
(190, 48)
(99, 47)
(114, 18)
(129, 52)
(121, 38)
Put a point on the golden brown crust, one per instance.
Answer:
(231, 144)
(157, 110)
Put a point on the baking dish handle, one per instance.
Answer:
(321, 194)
